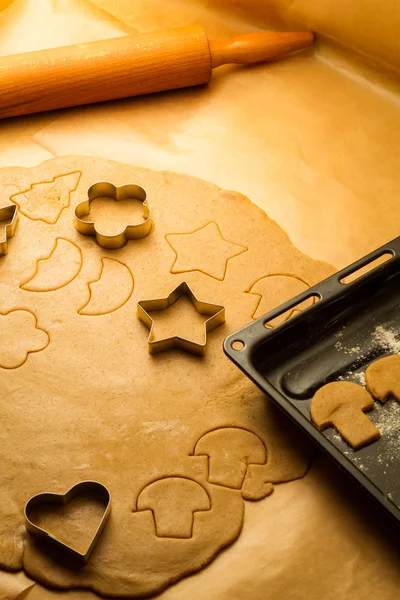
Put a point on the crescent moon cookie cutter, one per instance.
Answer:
(215, 312)
(8, 213)
(131, 231)
(67, 550)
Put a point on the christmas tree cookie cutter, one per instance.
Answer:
(8, 213)
(83, 487)
(131, 231)
(215, 312)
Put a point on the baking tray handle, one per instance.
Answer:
(331, 288)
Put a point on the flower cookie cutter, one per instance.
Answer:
(82, 487)
(215, 312)
(8, 213)
(124, 192)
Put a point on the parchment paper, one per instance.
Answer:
(314, 141)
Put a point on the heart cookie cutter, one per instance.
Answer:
(62, 499)
(8, 213)
(130, 232)
(215, 312)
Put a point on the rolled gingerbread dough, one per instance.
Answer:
(83, 399)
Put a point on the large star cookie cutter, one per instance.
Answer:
(215, 312)
(82, 487)
(8, 213)
(130, 232)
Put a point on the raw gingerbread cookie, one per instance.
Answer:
(383, 378)
(93, 404)
(341, 404)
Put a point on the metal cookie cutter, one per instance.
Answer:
(8, 213)
(62, 499)
(124, 192)
(215, 312)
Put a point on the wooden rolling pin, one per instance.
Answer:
(129, 66)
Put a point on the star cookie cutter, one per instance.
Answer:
(130, 232)
(215, 312)
(8, 213)
(62, 499)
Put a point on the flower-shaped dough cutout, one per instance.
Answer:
(121, 236)
(19, 337)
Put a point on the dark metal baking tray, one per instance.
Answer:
(347, 327)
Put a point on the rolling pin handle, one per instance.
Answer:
(258, 47)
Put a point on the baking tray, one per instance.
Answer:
(348, 326)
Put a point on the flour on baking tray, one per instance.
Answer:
(387, 338)
(385, 416)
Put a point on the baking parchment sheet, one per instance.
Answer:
(314, 140)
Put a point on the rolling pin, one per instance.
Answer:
(129, 66)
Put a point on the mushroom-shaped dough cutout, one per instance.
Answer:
(383, 378)
(173, 502)
(273, 290)
(229, 451)
(341, 404)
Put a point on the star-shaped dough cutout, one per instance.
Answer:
(204, 250)
(182, 320)
(194, 341)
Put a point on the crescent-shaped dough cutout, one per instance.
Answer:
(57, 269)
(104, 295)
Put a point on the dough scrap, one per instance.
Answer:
(383, 378)
(341, 404)
(96, 405)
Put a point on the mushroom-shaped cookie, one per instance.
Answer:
(173, 502)
(341, 404)
(230, 450)
(383, 378)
